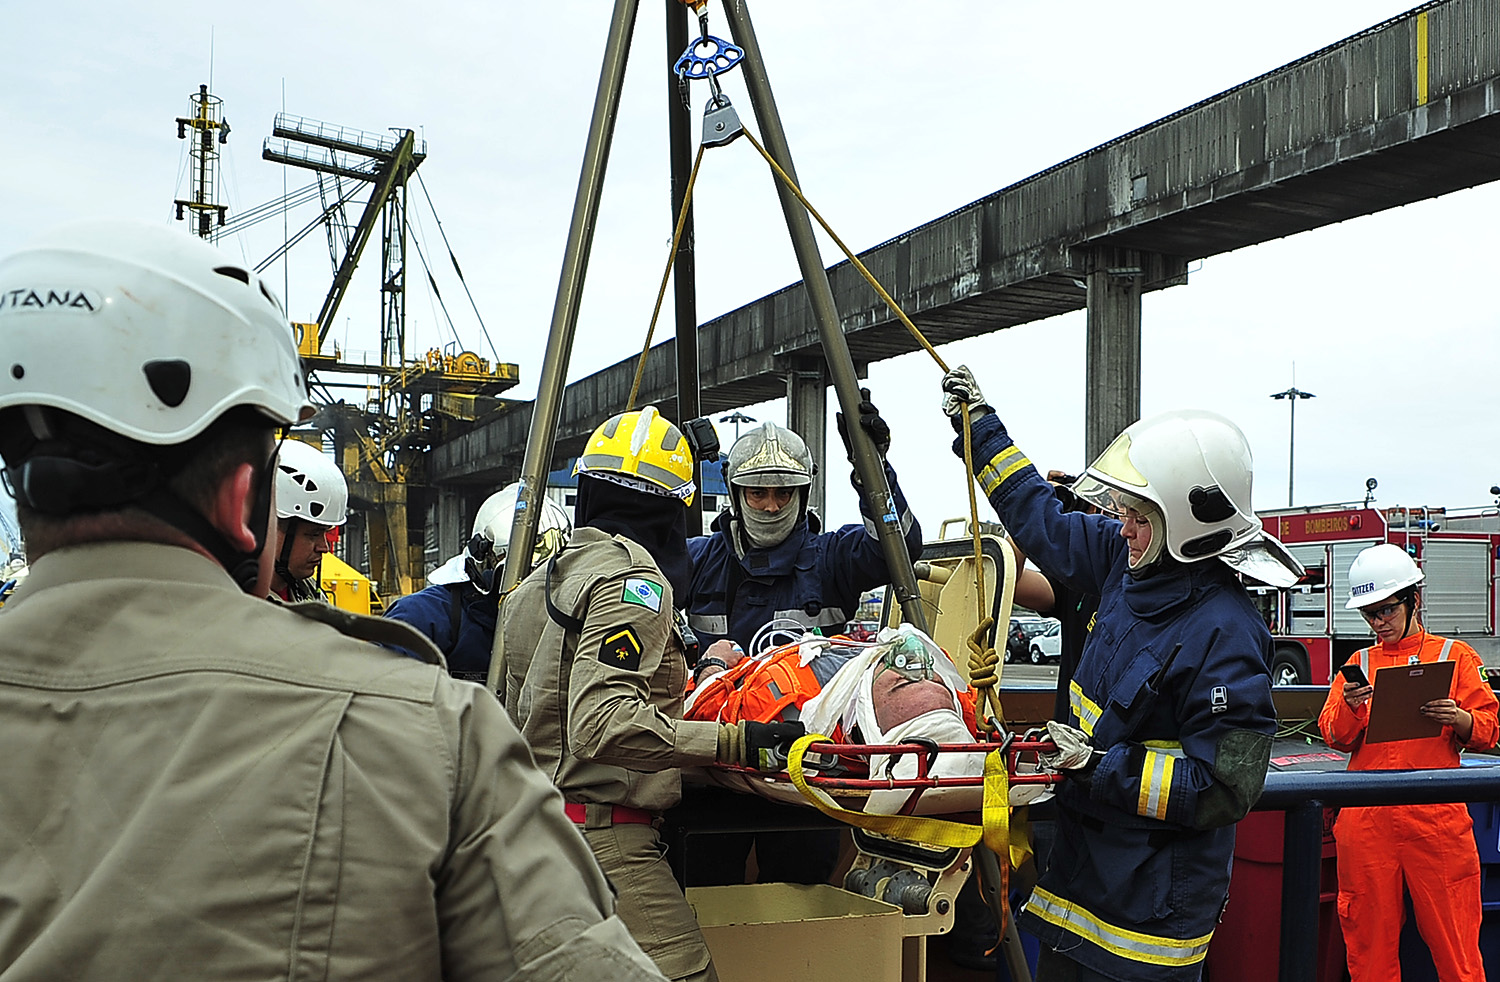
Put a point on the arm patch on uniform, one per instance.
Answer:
(621, 648)
(643, 592)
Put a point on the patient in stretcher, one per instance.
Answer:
(902, 687)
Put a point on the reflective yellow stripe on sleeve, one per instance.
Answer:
(1001, 466)
(1134, 945)
(1084, 709)
(1156, 785)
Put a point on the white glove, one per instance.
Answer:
(960, 388)
(1073, 749)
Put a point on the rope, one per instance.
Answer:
(687, 201)
(982, 658)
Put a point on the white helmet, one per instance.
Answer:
(1380, 572)
(1192, 469)
(145, 330)
(310, 486)
(485, 552)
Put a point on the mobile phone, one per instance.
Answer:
(1353, 673)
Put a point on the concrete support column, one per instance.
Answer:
(807, 384)
(1112, 399)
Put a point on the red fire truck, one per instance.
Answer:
(1313, 633)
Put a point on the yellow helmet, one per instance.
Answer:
(642, 450)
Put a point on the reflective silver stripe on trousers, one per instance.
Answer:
(1124, 943)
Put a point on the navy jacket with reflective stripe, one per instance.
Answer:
(811, 577)
(1133, 888)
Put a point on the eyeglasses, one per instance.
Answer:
(1373, 614)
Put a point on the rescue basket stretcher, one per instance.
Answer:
(840, 771)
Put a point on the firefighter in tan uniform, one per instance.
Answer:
(595, 670)
(199, 783)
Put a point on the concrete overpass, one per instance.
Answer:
(1406, 110)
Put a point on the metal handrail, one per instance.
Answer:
(1304, 795)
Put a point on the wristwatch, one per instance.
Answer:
(709, 662)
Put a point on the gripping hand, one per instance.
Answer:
(762, 746)
(1074, 752)
(960, 389)
(871, 422)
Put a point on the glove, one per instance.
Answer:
(762, 746)
(871, 422)
(1073, 751)
(960, 388)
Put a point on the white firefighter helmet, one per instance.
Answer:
(1191, 470)
(310, 486)
(144, 330)
(485, 553)
(1379, 572)
(769, 456)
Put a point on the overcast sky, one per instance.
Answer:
(896, 113)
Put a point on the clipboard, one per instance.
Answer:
(1400, 693)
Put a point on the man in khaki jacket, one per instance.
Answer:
(595, 671)
(198, 783)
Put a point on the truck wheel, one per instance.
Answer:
(1289, 667)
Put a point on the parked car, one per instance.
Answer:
(1046, 646)
(863, 630)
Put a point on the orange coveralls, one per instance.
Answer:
(1428, 848)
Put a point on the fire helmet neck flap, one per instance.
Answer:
(151, 335)
(1190, 471)
(642, 450)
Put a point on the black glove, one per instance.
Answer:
(871, 422)
(763, 746)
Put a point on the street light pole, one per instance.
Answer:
(1293, 394)
(736, 418)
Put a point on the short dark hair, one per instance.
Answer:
(192, 470)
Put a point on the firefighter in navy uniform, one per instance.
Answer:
(594, 674)
(458, 608)
(1171, 714)
(767, 561)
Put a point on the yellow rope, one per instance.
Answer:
(687, 200)
(983, 658)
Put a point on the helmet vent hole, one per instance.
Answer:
(315, 508)
(270, 298)
(1210, 505)
(233, 272)
(16, 371)
(169, 380)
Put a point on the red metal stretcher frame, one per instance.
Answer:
(1011, 746)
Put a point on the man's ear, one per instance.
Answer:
(232, 504)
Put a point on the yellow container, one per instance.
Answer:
(788, 931)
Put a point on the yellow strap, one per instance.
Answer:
(929, 831)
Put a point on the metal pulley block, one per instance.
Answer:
(708, 56)
(721, 124)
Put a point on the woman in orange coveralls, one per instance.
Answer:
(1428, 848)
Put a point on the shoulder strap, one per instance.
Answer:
(567, 622)
(380, 630)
